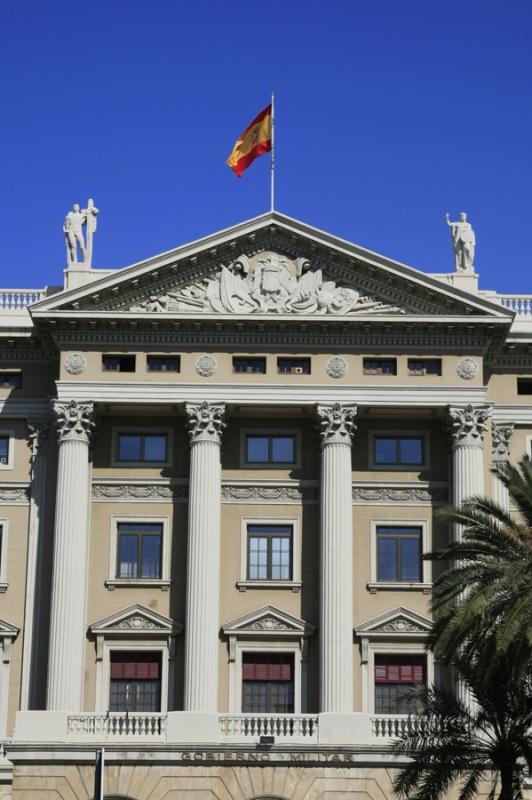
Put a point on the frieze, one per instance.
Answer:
(267, 623)
(278, 494)
(399, 625)
(135, 623)
(135, 491)
(15, 495)
(384, 494)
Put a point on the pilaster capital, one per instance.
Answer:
(38, 436)
(205, 421)
(468, 425)
(74, 421)
(336, 424)
(500, 441)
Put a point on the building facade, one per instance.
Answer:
(219, 472)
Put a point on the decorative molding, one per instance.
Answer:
(205, 422)
(74, 421)
(75, 363)
(336, 367)
(500, 441)
(386, 495)
(400, 625)
(398, 622)
(139, 491)
(336, 424)
(467, 369)
(268, 621)
(206, 366)
(137, 620)
(468, 425)
(15, 494)
(277, 494)
(38, 437)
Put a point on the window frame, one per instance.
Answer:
(139, 535)
(136, 651)
(10, 434)
(9, 371)
(396, 434)
(103, 688)
(287, 647)
(112, 582)
(306, 359)
(397, 651)
(4, 538)
(147, 431)
(163, 371)
(250, 358)
(380, 359)
(295, 582)
(119, 371)
(424, 374)
(245, 432)
(269, 654)
(425, 583)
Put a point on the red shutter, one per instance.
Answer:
(266, 672)
(133, 669)
(411, 672)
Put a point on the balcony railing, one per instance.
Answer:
(391, 726)
(118, 724)
(18, 299)
(520, 303)
(281, 726)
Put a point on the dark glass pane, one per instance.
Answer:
(163, 363)
(286, 529)
(11, 379)
(4, 449)
(257, 449)
(410, 559)
(283, 450)
(154, 448)
(129, 447)
(142, 527)
(411, 450)
(433, 366)
(111, 363)
(386, 559)
(151, 557)
(127, 556)
(393, 698)
(385, 450)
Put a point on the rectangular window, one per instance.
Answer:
(270, 449)
(400, 450)
(396, 676)
(399, 553)
(139, 550)
(293, 366)
(163, 363)
(524, 386)
(118, 363)
(424, 366)
(11, 380)
(4, 450)
(142, 447)
(135, 682)
(379, 366)
(267, 683)
(269, 553)
(257, 365)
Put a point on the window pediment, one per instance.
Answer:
(135, 620)
(397, 623)
(268, 622)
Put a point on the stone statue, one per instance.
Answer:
(463, 239)
(73, 230)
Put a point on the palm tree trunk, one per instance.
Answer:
(507, 782)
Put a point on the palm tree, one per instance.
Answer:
(450, 742)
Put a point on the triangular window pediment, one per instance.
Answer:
(268, 621)
(135, 620)
(399, 622)
(7, 630)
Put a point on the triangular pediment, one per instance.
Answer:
(7, 630)
(270, 267)
(268, 621)
(135, 620)
(398, 622)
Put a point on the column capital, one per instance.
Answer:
(205, 421)
(39, 429)
(468, 425)
(74, 421)
(336, 424)
(500, 441)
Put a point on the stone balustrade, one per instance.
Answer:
(12, 300)
(391, 726)
(520, 303)
(280, 726)
(117, 725)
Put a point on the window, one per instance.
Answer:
(11, 380)
(118, 363)
(142, 447)
(379, 366)
(524, 386)
(269, 553)
(399, 553)
(139, 550)
(4, 450)
(257, 365)
(163, 363)
(398, 450)
(135, 683)
(274, 448)
(395, 678)
(293, 366)
(424, 366)
(267, 683)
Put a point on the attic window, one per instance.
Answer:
(379, 366)
(524, 386)
(11, 380)
(118, 363)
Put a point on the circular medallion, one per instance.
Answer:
(336, 367)
(467, 368)
(206, 366)
(75, 363)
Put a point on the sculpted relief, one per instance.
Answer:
(267, 282)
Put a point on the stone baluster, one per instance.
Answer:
(500, 454)
(75, 423)
(32, 645)
(336, 426)
(206, 424)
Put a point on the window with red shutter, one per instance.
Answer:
(267, 683)
(396, 676)
(135, 682)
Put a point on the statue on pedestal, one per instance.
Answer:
(73, 230)
(463, 239)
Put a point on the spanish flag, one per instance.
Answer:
(255, 141)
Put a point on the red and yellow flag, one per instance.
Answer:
(255, 141)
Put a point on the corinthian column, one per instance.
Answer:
(69, 582)
(500, 454)
(38, 443)
(205, 423)
(468, 426)
(336, 425)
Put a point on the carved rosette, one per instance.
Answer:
(75, 421)
(205, 422)
(500, 441)
(38, 437)
(468, 425)
(336, 424)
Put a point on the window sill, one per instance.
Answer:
(243, 586)
(3, 587)
(399, 586)
(137, 583)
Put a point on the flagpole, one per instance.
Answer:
(272, 160)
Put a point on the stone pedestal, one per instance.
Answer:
(500, 453)
(206, 423)
(336, 424)
(69, 582)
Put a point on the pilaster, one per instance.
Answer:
(500, 454)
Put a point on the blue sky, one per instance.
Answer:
(388, 114)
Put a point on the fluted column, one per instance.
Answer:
(38, 443)
(69, 581)
(500, 454)
(336, 426)
(205, 423)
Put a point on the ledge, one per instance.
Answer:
(137, 583)
(3, 587)
(399, 586)
(243, 586)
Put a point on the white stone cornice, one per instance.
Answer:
(74, 420)
(205, 422)
(468, 425)
(513, 415)
(500, 441)
(336, 424)
(25, 407)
